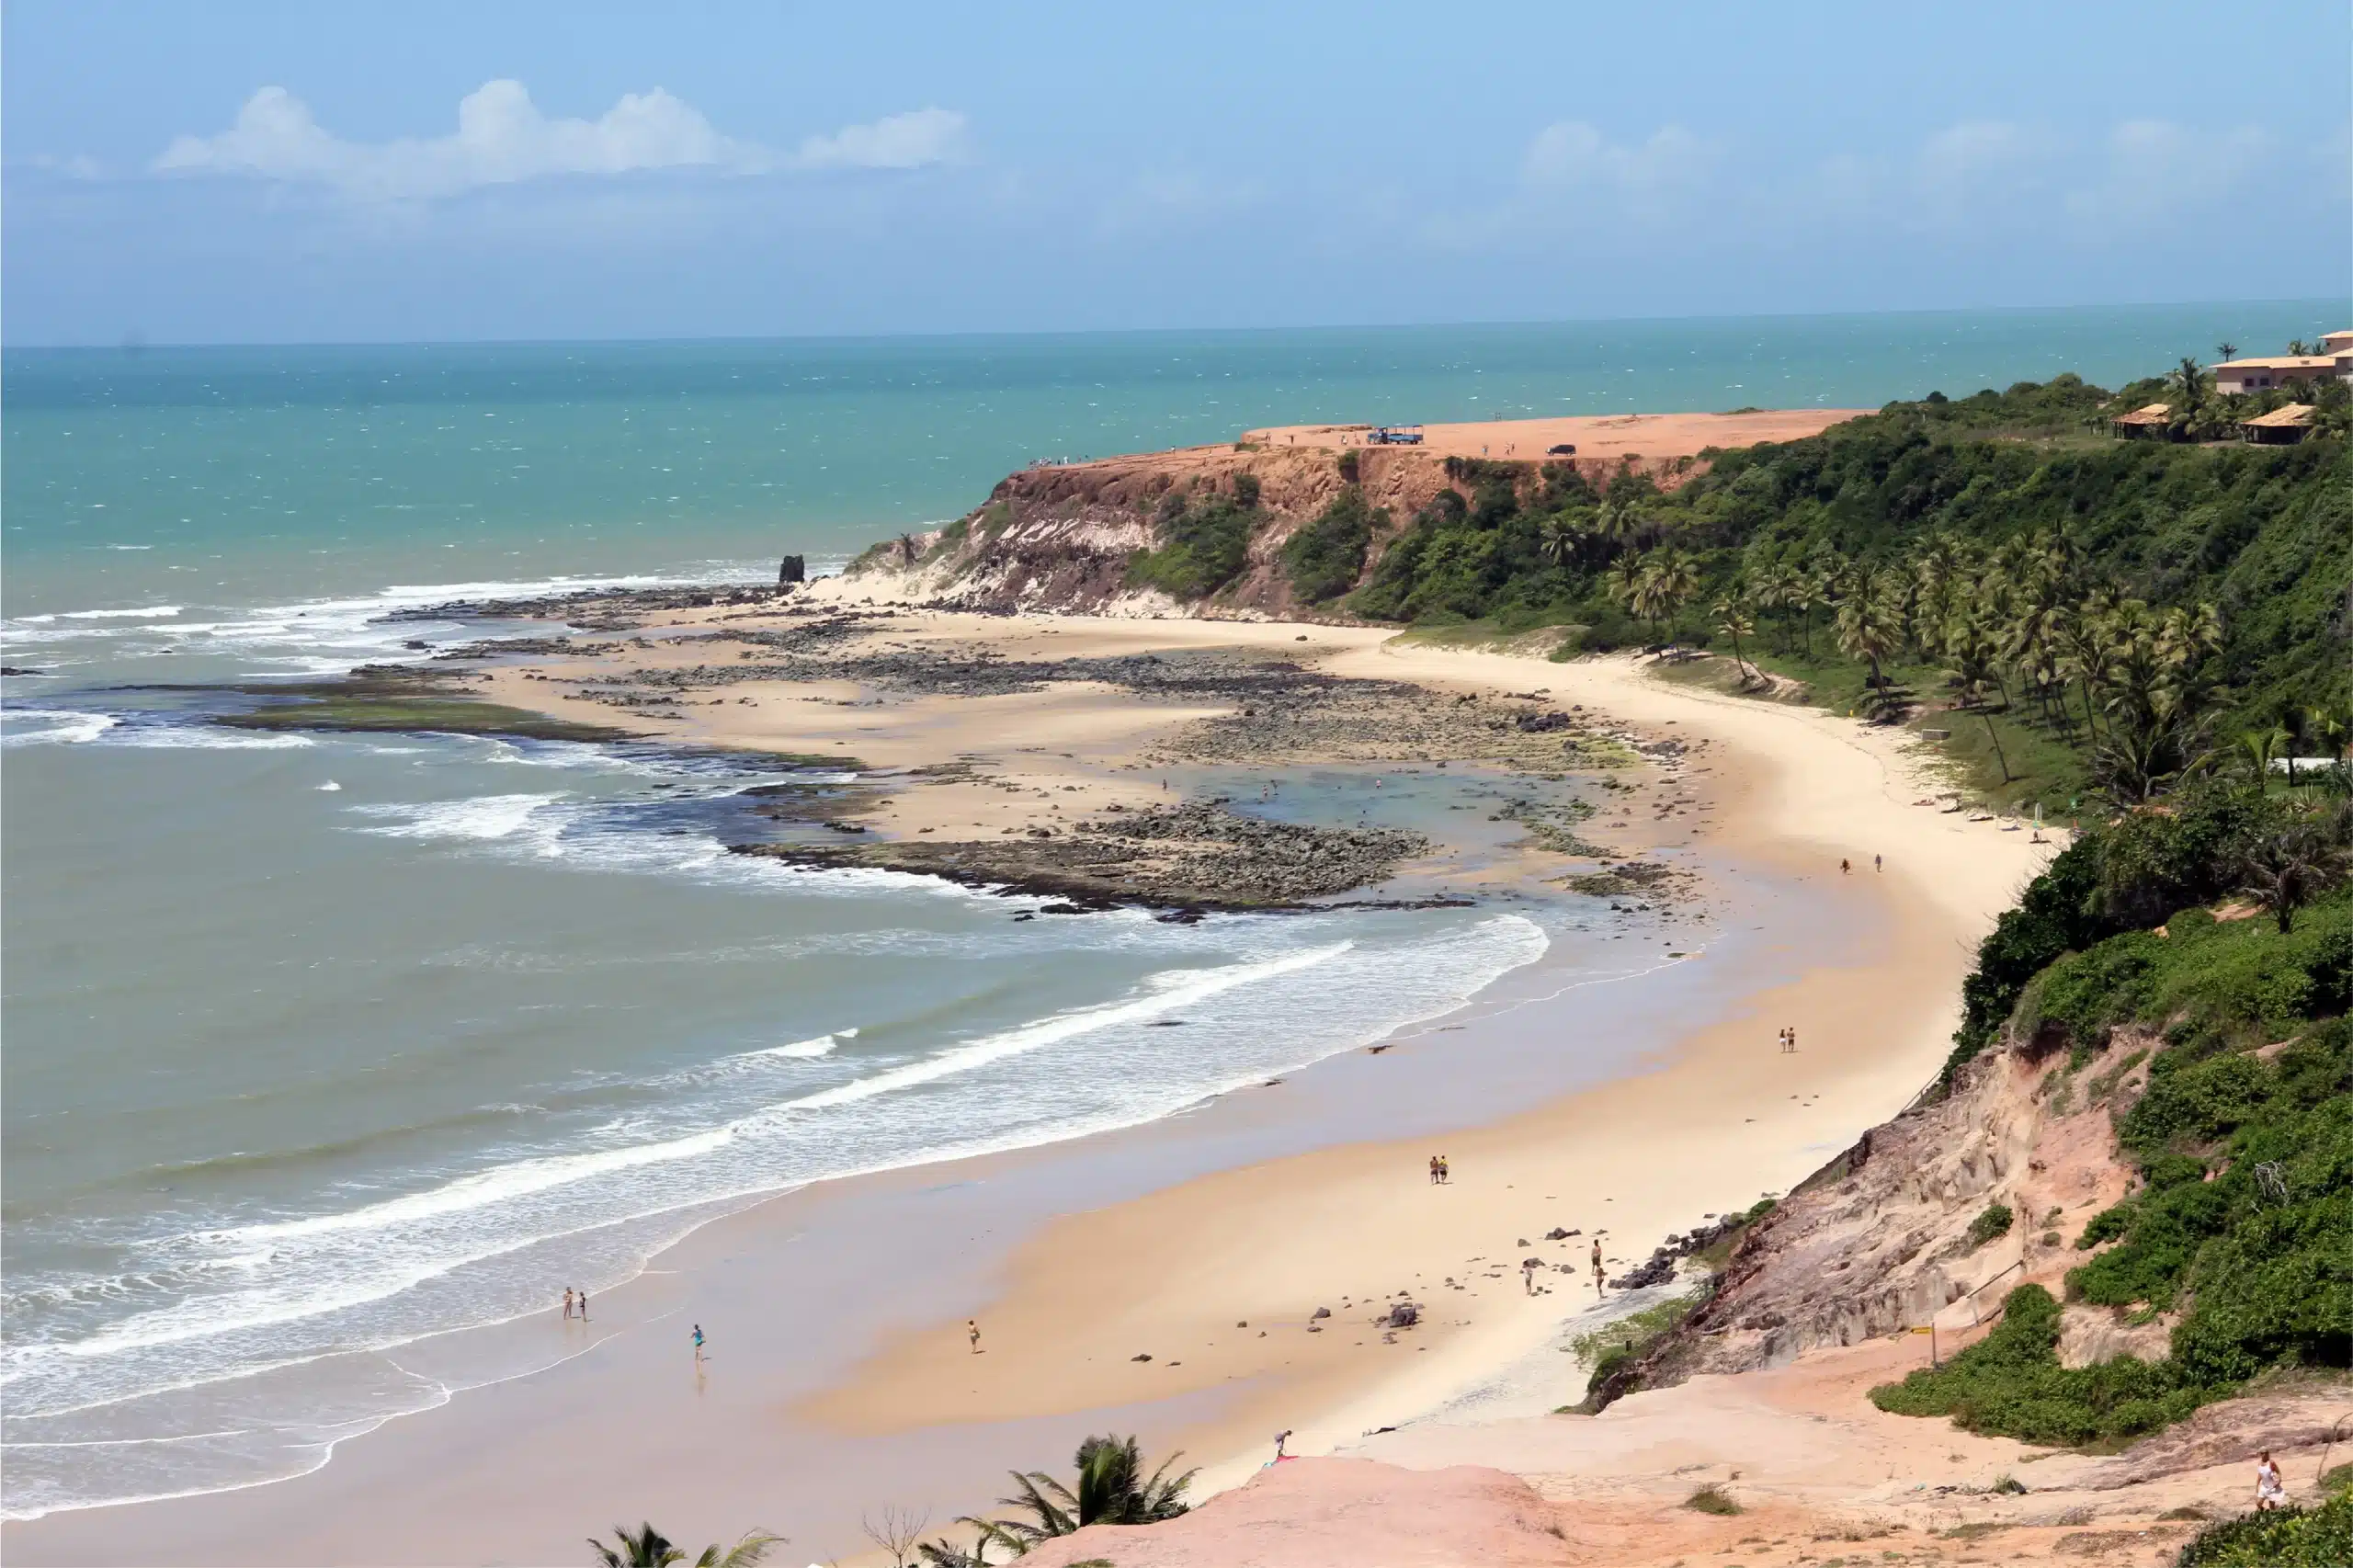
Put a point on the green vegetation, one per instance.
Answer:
(368, 705)
(1325, 557)
(2011, 1382)
(1711, 1500)
(2285, 1537)
(2242, 1219)
(647, 1547)
(1995, 1221)
(1614, 1350)
(2093, 612)
(1111, 1489)
(1204, 540)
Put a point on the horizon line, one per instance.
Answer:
(137, 344)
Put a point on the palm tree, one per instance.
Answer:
(2157, 738)
(2083, 635)
(1733, 620)
(2226, 350)
(2285, 870)
(1973, 695)
(1807, 592)
(1112, 1490)
(2188, 635)
(2190, 385)
(1621, 520)
(2298, 347)
(1556, 539)
(2260, 749)
(1622, 582)
(648, 1548)
(1871, 625)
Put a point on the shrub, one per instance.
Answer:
(2011, 1383)
(2285, 1537)
(1204, 544)
(1995, 1221)
(1325, 557)
(1711, 1500)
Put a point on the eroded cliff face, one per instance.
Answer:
(1879, 1240)
(1060, 537)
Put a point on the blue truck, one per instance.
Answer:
(1395, 436)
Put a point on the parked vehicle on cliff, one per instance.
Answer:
(1395, 436)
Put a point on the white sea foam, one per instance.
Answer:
(145, 612)
(52, 727)
(479, 818)
(326, 1287)
(189, 737)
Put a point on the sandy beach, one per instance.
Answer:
(1206, 1243)
(1652, 436)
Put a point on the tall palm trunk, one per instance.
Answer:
(1995, 736)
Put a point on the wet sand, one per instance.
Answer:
(839, 1376)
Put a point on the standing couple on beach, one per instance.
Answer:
(1788, 1038)
(574, 1301)
(1439, 1173)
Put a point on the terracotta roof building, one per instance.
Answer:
(2280, 427)
(2152, 422)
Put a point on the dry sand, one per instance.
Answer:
(1727, 1117)
(1652, 436)
(1718, 1119)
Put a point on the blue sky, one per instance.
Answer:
(297, 172)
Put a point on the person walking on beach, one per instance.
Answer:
(1597, 1263)
(1445, 1171)
(567, 1303)
(973, 1332)
(1844, 867)
(698, 1344)
(1878, 864)
(2269, 1492)
(1433, 1170)
(584, 1306)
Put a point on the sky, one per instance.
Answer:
(267, 173)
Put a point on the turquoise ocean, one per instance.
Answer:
(320, 1048)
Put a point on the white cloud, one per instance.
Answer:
(912, 141)
(1571, 154)
(502, 138)
(2155, 168)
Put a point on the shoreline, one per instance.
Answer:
(1210, 1204)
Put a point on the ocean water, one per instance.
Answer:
(318, 1046)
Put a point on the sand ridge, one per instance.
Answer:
(1651, 437)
